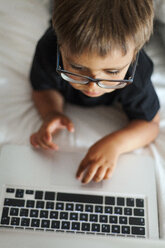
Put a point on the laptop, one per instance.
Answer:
(41, 200)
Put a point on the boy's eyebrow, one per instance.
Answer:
(105, 69)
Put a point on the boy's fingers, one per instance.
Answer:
(33, 141)
(83, 165)
(99, 176)
(108, 173)
(93, 167)
(68, 124)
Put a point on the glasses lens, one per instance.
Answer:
(111, 85)
(74, 78)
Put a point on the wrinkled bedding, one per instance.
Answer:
(21, 25)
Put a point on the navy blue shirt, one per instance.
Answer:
(139, 99)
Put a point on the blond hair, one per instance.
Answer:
(102, 25)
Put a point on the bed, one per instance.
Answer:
(21, 25)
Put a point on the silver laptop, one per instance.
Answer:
(41, 199)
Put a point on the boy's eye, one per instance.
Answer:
(113, 72)
(76, 67)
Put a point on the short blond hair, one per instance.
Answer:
(102, 25)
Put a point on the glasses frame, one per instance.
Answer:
(122, 83)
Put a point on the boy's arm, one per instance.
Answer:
(48, 102)
(101, 158)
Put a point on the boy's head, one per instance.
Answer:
(101, 29)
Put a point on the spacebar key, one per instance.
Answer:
(97, 199)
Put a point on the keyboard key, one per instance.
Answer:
(33, 213)
(130, 202)
(80, 198)
(105, 228)
(98, 209)
(10, 190)
(5, 212)
(108, 210)
(138, 230)
(94, 217)
(54, 215)
(45, 223)
(136, 221)
(113, 219)
(128, 211)
(65, 225)
(89, 208)
(25, 222)
(122, 220)
(40, 204)
(5, 220)
(109, 200)
(84, 217)
(118, 210)
(63, 216)
(69, 206)
(35, 223)
(43, 214)
(30, 204)
(96, 227)
(39, 195)
(14, 211)
(59, 206)
(29, 192)
(79, 207)
(50, 196)
(55, 224)
(75, 226)
(14, 202)
(49, 205)
(140, 203)
(85, 227)
(103, 218)
(139, 212)
(115, 229)
(120, 201)
(24, 212)
(19, 193)
(15, 221)
(125, 230)
(73, 216)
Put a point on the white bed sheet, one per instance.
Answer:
(21, 25)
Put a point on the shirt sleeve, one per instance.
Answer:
(43, 73)
(139, 100)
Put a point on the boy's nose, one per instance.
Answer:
(92, 85)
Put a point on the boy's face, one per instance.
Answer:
(112, 66)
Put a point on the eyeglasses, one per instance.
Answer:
(103, 83)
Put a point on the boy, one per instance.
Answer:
(99, 60)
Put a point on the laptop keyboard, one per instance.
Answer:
(76, 213)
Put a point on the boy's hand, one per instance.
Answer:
(99, 162)
(54, 122)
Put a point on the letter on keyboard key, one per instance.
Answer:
(96, 227)
(76, 226)
(65, 225)
(136, 221)
(45, 223)
(55, 224)
(15, 221)
(125, 230)
(5, 220)
(105, 228)
(25, 222)
(115, 229)
(138, 230)
(35, 223)
(85, 227)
